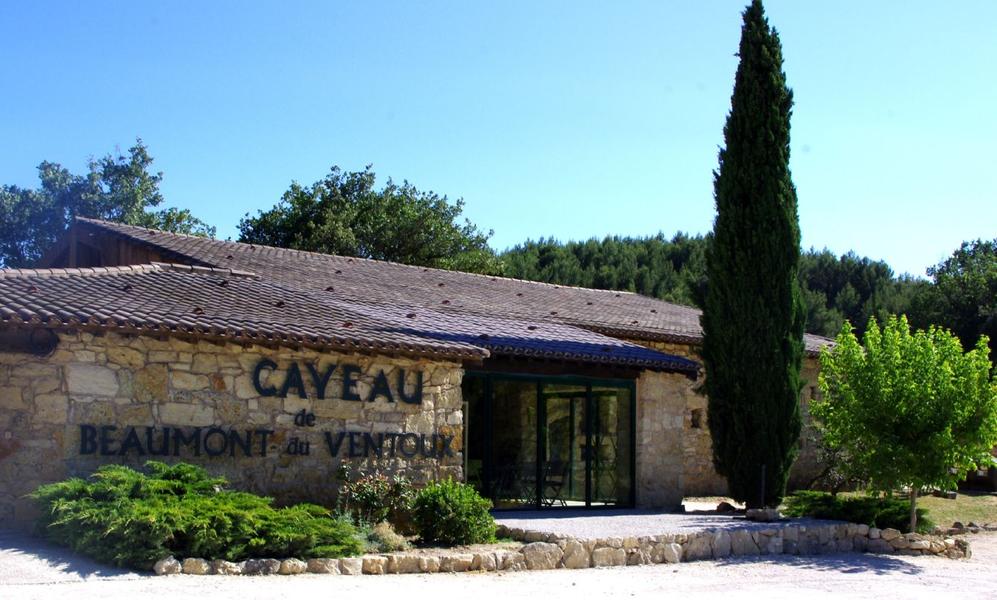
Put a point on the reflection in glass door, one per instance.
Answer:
(610, 445)
(564, 445)
(536, 442)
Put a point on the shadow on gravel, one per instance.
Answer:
(27, 559)
(845, 562)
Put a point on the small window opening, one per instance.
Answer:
(696, 418)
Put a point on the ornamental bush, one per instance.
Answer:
(128, 518)
(372, 498)
(452, 513)
(881, 512)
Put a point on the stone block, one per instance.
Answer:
(188, 381)
(889, 534)
(167, 566)
(720, 544)
(511, 561)
(483, 561)
(875, 533)
(327, 566)
(261, 566)
(292, 566)
(742, 543)
(173, 413)
(429, 564)
(456, 563)
(673, 553)
(149, 384)
(542, 556)
(224, 567)
(91, 380)
(125, 356)
(610, 557)
(351, 566)
(51, 408)
(575, 555)
(196, 566)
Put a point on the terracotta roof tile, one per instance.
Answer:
(614, 313)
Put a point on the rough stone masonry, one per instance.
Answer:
(274, 429)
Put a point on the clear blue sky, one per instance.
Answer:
(566, 119)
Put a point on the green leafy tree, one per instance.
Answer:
(753, 315)
(908, 410)
(963, 296)
(345, 214)
(115, 188)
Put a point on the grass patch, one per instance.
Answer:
(979, 507)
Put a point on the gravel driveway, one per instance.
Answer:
(32, 570)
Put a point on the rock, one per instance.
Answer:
(609, 557)
(673, 553)
(698, 548)
(638, 557)
(889, 534)
(875, 533)
(742, 544)
(167, 566)
(575, 556)
(541, 556)
(261, 566)
(351, 566)
(880, 546)
(862, 530)
(483, 561)
(196, 566)
(374, 565)
(763, 514)
(457, 563)
(224, 567)
(511, 561)
(791, 533)
(726, 507)
(920, 545)
(720, 543)
(292, 566)
(429, 564)
(329, 566)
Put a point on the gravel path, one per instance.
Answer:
(32, 570)
(581, 524)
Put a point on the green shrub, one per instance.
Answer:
(873, 511)
(373, 498)
(383, 538)
(127, 518)
(451, 513)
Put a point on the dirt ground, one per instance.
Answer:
(29, 569)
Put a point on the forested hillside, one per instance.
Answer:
(835, 288)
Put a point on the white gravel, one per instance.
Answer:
(591, 524)
(32, 570)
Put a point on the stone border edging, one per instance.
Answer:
(544, 551)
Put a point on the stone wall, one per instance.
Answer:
(699, 478)
(207, 389)
(662, 399)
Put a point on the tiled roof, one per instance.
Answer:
(616, 314)
(240, 306)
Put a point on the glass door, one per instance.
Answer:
(565, 448)
(539, 442)
(610, 448)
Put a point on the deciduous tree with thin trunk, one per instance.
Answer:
(908, 410)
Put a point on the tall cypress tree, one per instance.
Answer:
(753, 315)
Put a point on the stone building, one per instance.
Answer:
(280, 369)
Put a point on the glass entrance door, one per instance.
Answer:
(539, 442)
(565, 445)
